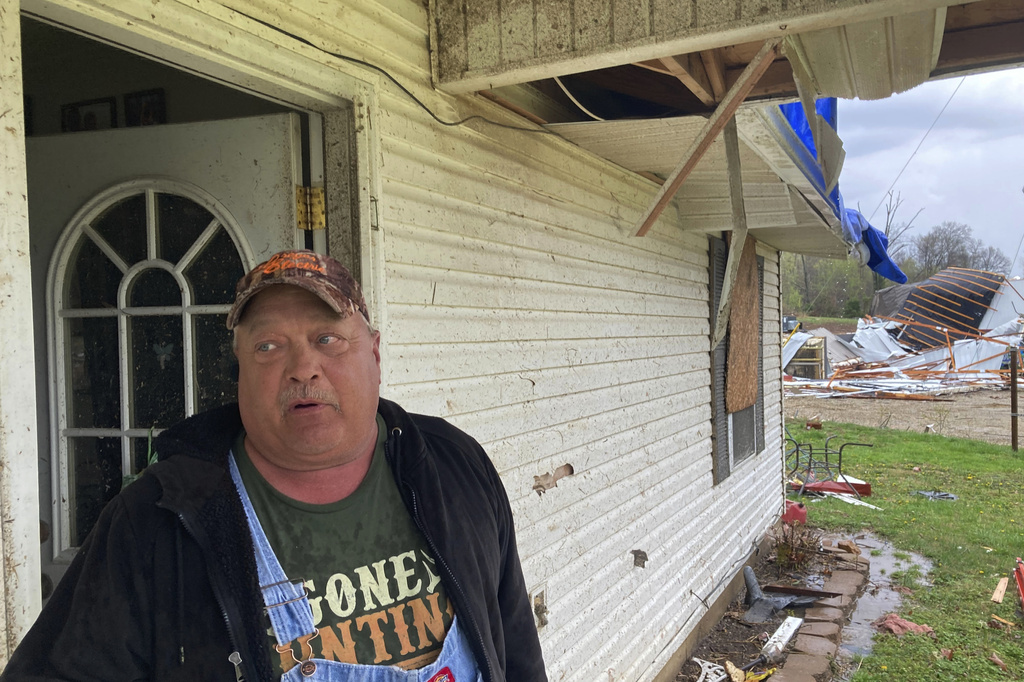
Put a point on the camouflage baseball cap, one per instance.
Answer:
(316, 273)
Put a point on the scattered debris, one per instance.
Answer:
(900, 626)
(999, 623)
(550, 480)
(951, 334)
(844, 486)
(850, 499)
(937, 495)
(999, 662)
(710, 672)
(1018, 575)
(763, 606)
(997, 596)
(796, 512)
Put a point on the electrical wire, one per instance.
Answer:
(399, 85)
(914, 153)
(576, 101)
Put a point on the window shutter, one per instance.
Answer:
(719, 418)
(759, 406)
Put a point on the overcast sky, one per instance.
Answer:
(970, 168)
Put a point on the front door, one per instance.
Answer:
(140, 235)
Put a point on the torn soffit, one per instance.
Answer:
(872, 59)
(777, 212)
(486, 43)
(866, 49)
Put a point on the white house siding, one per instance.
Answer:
(512, 302)
(517, 308)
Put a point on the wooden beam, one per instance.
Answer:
(708, 133)
(980, 47)
(690, 71)
(714, 66)
(730, 136)
(653, 65)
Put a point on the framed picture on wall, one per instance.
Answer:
(93, 114)
(145, 108)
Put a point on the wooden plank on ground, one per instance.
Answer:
(997, 596)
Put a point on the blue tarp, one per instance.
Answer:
(856, 228)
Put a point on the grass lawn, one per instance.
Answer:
(972, 541)
(808, 323)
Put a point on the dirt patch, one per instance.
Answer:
(979, 415)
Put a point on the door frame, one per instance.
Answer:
(218, 44)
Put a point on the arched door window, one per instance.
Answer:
(139, 286)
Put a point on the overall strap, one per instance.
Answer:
(285, 600)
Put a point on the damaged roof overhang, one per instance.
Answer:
(653, 106)
(779, 212)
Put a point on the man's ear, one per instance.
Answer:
(376, 352)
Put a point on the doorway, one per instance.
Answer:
(151, 190)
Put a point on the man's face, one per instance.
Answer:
(308, 380)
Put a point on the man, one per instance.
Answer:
(312, 531)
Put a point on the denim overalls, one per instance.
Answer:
(291, 617)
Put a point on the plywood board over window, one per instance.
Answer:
(744, 339)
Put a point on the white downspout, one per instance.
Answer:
(19, 478)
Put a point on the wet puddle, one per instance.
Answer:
(890, 569)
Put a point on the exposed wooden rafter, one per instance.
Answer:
(714, 125)
(689, 69)
(714, 67)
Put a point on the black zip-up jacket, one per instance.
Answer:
(165, 587)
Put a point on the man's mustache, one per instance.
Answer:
(305, 392)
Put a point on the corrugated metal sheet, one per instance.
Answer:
(871, 59)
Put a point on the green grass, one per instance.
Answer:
(972, 541)
(808, 323)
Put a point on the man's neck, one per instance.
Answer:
(321, 486)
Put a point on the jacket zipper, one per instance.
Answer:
(451, 575)
(235, 658)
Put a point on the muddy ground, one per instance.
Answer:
(980, 415)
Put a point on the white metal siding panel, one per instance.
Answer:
(519, 309)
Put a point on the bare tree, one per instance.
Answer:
(992, 259)
(952, 244)
(894, 232)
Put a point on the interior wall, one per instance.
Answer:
(62, 68)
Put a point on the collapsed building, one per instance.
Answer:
(954, 331)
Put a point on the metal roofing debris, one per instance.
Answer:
(949, 306)
(893, 360)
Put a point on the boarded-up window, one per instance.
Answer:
(737, 364)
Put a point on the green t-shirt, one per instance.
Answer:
(372, 583)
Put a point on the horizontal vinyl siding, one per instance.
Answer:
(518, 307)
